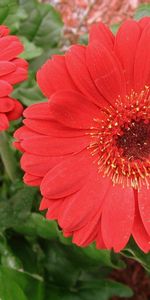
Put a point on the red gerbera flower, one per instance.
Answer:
(88, 147)
(12, 71)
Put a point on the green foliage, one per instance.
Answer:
(142, 11)
(97, 290)
(11, 14)
(30, 50)
(28, 92)
(132, 251)
(42, 27)
(39, 265)
(36, 225)
(20, 285)
(114, 28)
(103, 290)
(16, 209)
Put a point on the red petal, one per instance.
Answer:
(142, 61)
(38, 111)
(18, 146)
(126, 42)
(20, 62)
(67, 234)
(118, 217)
(24, 133)
(54, 208)
(6, 104)
(106, 72)
(51, 205)
(32, 180)
(53, 76)
(6, 41)
(79, 209)
(6, 67)
(38, 165)
(67, 177)
(87, 234)
(16, 112)
(139, 233)
(67, 102)
(53, 146)
(101, 33)
(15, 77)
(10, 47)
(4, 124)
(5, 88)
(76, 64)
(4, 30)
(99, 239)
(52, 128)
(144, 207)
(44, 204)
(72, 109)
(144, 22)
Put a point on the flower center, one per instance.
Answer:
(135, 141)
(121, 141)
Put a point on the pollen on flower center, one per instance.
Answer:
(135, 140)
(121, 141)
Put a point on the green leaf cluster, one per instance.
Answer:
(37, 262)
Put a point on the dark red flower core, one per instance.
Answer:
(121, 140)
(135, 141)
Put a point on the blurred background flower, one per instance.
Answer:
(79, 15)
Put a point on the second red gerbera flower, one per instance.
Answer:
(88, 147)
(12, 70)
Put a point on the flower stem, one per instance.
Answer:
(8, 157)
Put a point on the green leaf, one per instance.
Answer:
(134, 252)
(83, 39)
(43, 28)
(114, 28)
(96, 289)
(43, 25)
(103, 290)
(9, 289)
(7, 257)
(28, 92)
(56, 293)
(31, 51)
(142, 11)
(20, 284)
(15, 210)
(9, 14)
(40, 60)
(90, 257)
(37, 225)
(103, 256)
(60, 268)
